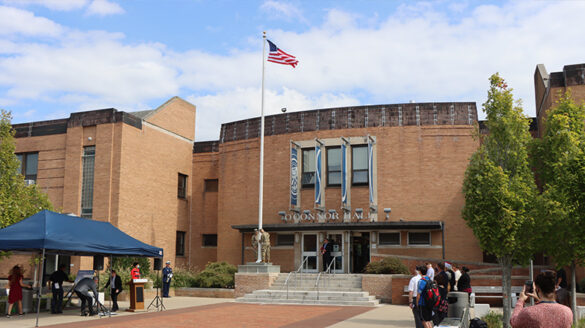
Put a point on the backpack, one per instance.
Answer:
(478, 323)
(431, 294)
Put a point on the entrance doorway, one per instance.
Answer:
(359, 251)
(310, 248)
(336, 240)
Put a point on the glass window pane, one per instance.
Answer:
(360, 176)
(309, 243)
(309, 160)
(360, 158)
(390, 238)
(419, 238)
(334, 178)
(32, 163)
(334, 159)
(308, 178)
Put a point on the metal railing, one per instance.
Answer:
(293, 274)
(327, 275)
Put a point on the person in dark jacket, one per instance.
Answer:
(442, 279)
(115, 283)
(56, 282)
(326, 252)
(82, 290)
(167, 275)
(464, 283)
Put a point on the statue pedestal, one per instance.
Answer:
(253, 267)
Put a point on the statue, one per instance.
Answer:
(255, 241)
(265, 244)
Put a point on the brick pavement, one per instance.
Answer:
(233, 315)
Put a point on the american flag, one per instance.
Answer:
(278, 56)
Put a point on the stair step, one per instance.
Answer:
(312, 302)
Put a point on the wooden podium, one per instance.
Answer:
(136, 294)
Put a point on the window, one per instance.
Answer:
(285, 239)
(211, 185)
(28, 165)
(419, 238)
(180, 246)
(359, 165)
(87, 181)
(389, 238)
(182, 191)
(210, 240)
(308, 178)
(334, 166)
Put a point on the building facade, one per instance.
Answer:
(374, 180)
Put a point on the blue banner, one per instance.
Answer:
(371, 170)
(344, 174)
(318, 181)
(294, 177)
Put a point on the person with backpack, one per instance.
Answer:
(427, 298)
(442, 279)
(412, 292)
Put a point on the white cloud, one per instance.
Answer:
(283, 10)
(103, 8)
(18, 21)
(62, 5)
(243, 103)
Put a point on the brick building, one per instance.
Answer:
(389, 179)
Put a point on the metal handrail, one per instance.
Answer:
(327, 272)
(294, 274)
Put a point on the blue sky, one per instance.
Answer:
(63, 56)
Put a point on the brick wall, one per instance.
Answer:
(249, 282)
(379, 285)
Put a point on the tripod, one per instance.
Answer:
(157, 301)
(101, 310)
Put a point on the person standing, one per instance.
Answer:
(115, 283)
(546, 312)
(412, 293)
(426, 313)
(442, 279)
(265, 243)
(464, 283)
(135, 272)
(82, 291)
(457, 274)
(326, 252)
(167, 275)
(430, 271)
(16, 284)
(56, 282)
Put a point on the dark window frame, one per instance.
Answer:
(23, 159)
(209, 240)
(280, 241)
(353, 168)
(388, 243)
(182, 186)
(209, 187)
(303, 172)
(87, 181)
(329, 171)
(180, 243)
(411, 243)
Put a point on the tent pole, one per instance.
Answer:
(40, 286)
(110, 277)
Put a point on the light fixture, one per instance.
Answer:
(387, 211)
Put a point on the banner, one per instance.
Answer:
(345, 177)
(294, 178)
(372, 177)
(371, 170)
(319, 202)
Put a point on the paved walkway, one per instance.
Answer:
(216, 312)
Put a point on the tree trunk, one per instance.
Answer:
(574, 293)
(506, 264)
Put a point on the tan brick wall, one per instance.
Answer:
(420, 175)
(176, 115)
(249, 282)
(205, 292)
(379, 285)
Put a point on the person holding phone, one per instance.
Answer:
(546, 312)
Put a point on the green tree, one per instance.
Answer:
(499, 186)
(559, 159)
(17, 200)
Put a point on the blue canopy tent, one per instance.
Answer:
(54, 233)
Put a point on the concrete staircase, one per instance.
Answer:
(338, 289)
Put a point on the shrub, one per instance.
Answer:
(125, 264)
(183, 278)
(494, 320)
(217, 275)
(581, 286)
(389, 265)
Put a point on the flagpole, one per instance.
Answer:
(261, 187)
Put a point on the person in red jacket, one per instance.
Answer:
(135, 272)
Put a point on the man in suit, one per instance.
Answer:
(326, 252)
(115, 283)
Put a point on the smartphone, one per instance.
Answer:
(529, 286)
